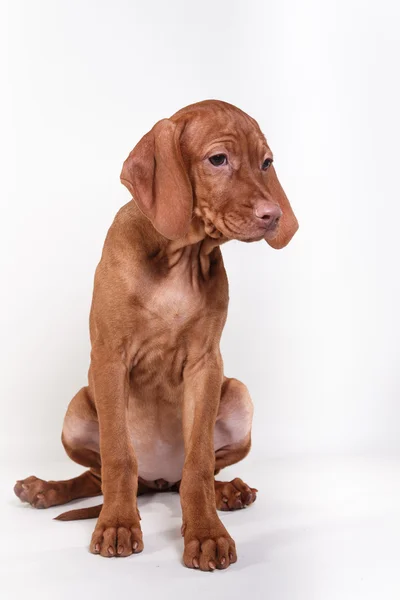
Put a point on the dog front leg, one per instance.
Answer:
(207, 543)
(117, 531)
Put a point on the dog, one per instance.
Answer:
(158, 412)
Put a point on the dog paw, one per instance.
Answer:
(233, 495)
(117, 538)
(209, 550)
(39, 493)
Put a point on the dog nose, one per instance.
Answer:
(269, 213)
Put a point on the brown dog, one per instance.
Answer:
(158, 412)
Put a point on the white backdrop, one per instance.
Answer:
(313, 330)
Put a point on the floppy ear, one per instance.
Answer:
(288, 224)
(155, 174)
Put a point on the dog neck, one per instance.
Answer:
(198, 249)
(197, 246)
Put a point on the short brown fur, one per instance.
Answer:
(158, 412)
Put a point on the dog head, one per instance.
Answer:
(212, 160)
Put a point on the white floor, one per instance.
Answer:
(321, 529)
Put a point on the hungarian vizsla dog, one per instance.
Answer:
(158, 412)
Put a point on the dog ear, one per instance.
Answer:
(288, 224)
(156, 176)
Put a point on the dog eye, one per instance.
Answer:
(267, 163)
(218, 160)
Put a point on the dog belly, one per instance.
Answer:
(160, 460)
(155, 426)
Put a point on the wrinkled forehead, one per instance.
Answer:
(208, 123)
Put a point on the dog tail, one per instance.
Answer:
(91, 512)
